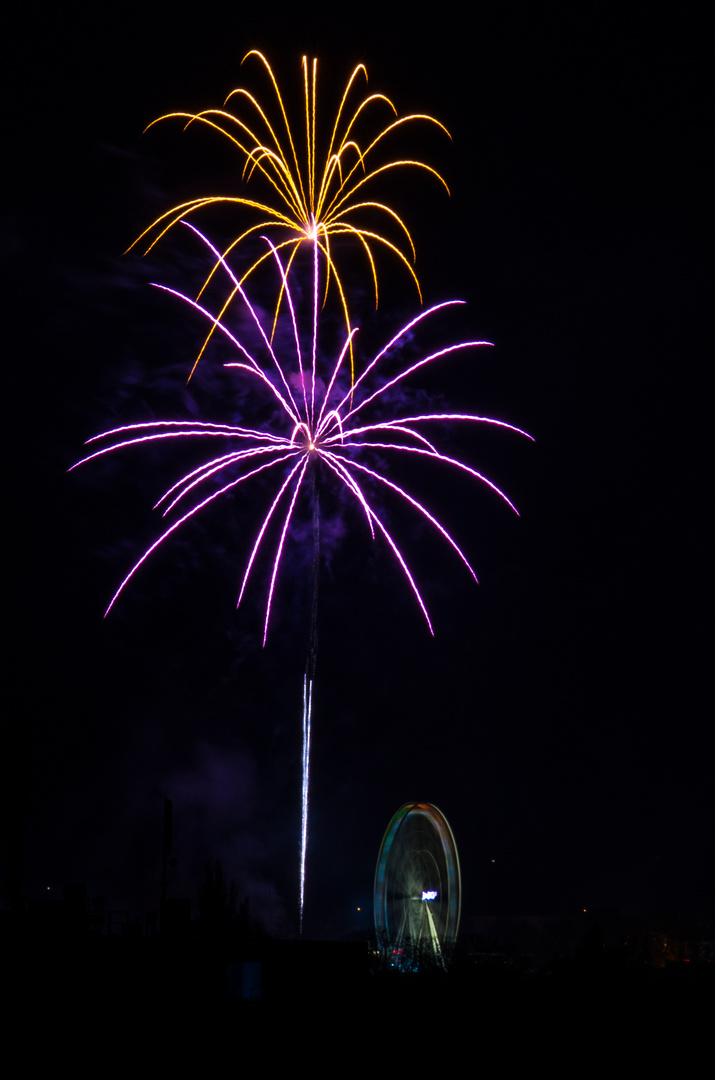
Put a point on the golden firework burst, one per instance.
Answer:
(311, 202)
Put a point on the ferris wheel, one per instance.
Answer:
(417, 897)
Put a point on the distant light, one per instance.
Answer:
(429, 894)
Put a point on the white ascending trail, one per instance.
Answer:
(307, 712)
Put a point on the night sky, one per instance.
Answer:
(559, 717)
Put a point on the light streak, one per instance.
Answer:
(315, 424)
(312, 186)
(307, 715)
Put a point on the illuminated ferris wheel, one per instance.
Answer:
(417, 887)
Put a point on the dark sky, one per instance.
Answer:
(559, 717)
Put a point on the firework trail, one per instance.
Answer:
(323, 424)
(313, 188)
(308, 681)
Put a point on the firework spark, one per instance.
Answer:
(313, 195)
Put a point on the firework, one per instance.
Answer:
(324, 421)
(314, 187)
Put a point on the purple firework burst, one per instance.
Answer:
(322, 420)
